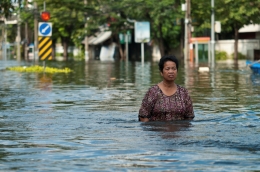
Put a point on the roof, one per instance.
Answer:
(99, 37)
(250, 28)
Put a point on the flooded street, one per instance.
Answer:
(87, 120)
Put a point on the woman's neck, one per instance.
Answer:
(168, 84)
(168, 88)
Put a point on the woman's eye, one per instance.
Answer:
(170, 69)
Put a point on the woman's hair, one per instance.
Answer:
(168, 58)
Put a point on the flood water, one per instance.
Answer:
(87, 120)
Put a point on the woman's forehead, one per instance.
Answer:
(170, 63)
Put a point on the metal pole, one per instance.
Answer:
(197, 54)
(86, 37)
(18, 41)
(26, 41)
(209, 53)
(5, 41)
(126, 46)
(2, 43)
(142, 52)
(212, 33)
(187, 30)
(185, 34)
(26, 37)
(35, 32)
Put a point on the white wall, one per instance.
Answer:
(245, 46)
(250, 28)
(156, 54)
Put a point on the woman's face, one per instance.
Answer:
(170, 71)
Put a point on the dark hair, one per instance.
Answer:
(168, 58)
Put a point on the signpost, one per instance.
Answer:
(212, 33)
(45, 48)
(44, 39)
(42, 35)
(45, 29)
(142, 35)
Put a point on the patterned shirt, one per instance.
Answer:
(156, 106)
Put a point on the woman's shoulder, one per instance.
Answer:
(152, 92)
(182, 89)
(154, 88)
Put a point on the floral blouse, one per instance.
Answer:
(156, 106)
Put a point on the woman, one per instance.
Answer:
(166, 101)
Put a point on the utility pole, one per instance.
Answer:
(26, 41)
(212, 33)
(187, 31)
(5, 42)
(26, 37)
(126, 45)
(18, 38)
(35, 32)
(86, 37)
(1, 43)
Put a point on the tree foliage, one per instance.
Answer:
(7, 7)
(70, 18)
(162, 16)
(238, 14)
(233, 15)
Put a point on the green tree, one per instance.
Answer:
(233, 15)
(7, 7)
(67, 17)
(162, 16)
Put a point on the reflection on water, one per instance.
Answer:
(255, 78)
(45, 81)
(87, 120)
(168, 129)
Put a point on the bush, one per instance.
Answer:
(221, 55)
(58, 54)
(79, 57)
(239, 56)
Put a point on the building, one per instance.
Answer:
(248, 43)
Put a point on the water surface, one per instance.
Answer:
(87, 120)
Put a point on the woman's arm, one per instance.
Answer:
(147, 105)
(143, 119)
(189, 107)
